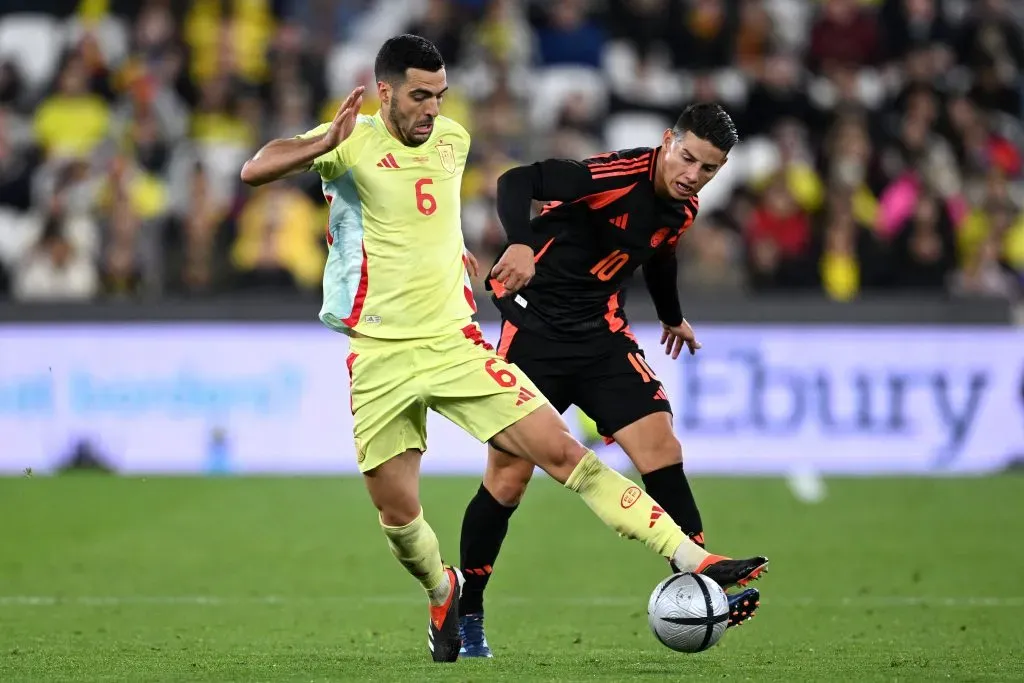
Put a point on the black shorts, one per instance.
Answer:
(607, 378)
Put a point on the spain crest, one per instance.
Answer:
(447, 154)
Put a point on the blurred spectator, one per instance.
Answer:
(441, 24)
(779, 240)
(709, 35)
(779, 93)
(985, 275)
(712, 256)
(196, 241)
(566, 35)
(279, 240)
(54, 270)
(844, 35)
(642, 24)
(16, 168)
(12, 85)
(755, 36)
(996, 218)
(915, 24)
(990, 37)
(298, 78)
(73, 121)
(924, 250)
(852, 167)
(850, 259)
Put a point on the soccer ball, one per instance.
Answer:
(688, 612)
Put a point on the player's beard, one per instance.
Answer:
(396, 122)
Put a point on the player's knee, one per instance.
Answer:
(664, 452)
(508, 488)
(566, 453)
(398, 512)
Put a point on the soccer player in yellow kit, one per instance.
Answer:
(396, 283)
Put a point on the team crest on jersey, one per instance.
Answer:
(447, 154)
(659, 237)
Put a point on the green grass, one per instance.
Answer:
(290, 579)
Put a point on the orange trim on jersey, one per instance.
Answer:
(543, 249)
(689, 217)
(636, 169)
(636, 366)
(654, 164)
(602, 166)
(357, 305)
(508, 332)
(614, 322)
(547, 207)
(600, 200)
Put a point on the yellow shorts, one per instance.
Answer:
(458, 375)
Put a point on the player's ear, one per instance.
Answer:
(384, 92)
(666, 138)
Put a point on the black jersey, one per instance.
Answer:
(602, 221)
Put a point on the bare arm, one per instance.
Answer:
(285, 157)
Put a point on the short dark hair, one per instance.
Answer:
(406, 52)
(708, 121)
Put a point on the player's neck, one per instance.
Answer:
(392, 130)
(660, 184)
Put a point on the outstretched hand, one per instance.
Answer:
(673, 337)
(345, 120)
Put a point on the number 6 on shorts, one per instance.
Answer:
(503, 377)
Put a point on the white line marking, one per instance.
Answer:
(860, 602)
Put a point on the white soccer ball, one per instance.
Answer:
(688, 612)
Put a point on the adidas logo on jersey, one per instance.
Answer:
(620, 221)
(656, 513)
(524, 396)
(388, 162)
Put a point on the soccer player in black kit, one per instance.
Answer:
(559, 287)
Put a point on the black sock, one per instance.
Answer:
(669, 487)
(483, 529)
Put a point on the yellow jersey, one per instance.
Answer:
(396, 266)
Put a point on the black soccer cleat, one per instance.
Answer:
(443, 637)
(743, 605)
(727, 572)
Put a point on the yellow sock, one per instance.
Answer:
(415, 546)
(623, 506)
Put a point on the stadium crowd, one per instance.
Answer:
(882, 147)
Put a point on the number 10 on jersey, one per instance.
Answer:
(606, 268)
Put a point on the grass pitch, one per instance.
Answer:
(106, 579)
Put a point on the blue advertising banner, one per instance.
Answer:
(270, 398)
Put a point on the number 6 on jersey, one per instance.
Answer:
(425, 202)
